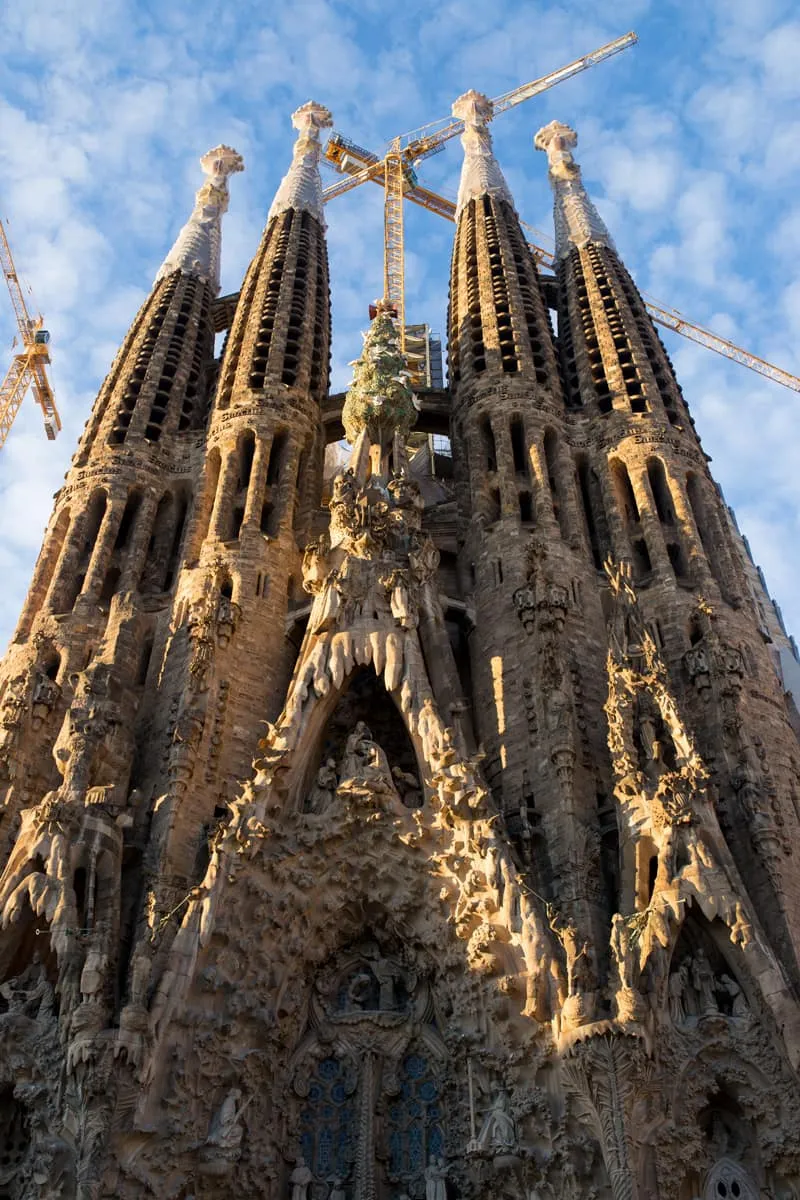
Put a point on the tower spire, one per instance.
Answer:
(301, 187)
(480, 173)
(197, 247)
(577, 221)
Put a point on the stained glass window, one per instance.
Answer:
(415, 1120)
(327, 1122)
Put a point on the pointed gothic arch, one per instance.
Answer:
(309, 753)
(364, 698)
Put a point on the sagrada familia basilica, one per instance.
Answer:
(422, 829)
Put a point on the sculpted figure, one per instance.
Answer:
(622, 951)
(408, 787)
(730, 988)
(498, 1131)
(703, 983)
(559, 712)
(359, 992)
(539, 1002)
(225, 1129)
(31, 993)
(45, 690)
(436, 747)
(580, 975)
(525, 604)
(94, 973)
(435, 1176)
(344, 487)
(90, 721)
(363, 758)
(677, 987)
(324, 787)
(140, 977)
(300, 1178)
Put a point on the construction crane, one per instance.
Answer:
(670, 318)
(396, 170)
(361, 165)
(28, 367)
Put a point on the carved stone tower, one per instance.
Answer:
(424, 829)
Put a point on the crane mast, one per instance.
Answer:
(28, 368)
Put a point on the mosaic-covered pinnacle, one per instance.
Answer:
(197, 246)
(379, 398)
(301, 187)
(577, 221)
(480, 174)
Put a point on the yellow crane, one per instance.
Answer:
(395, 173)
(396, 170)
(28, 367)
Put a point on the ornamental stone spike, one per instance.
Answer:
(577, 221)
(301, 186)
(197, 247)
(480, 174)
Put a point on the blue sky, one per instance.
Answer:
(690, 144)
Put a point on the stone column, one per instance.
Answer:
(258, 481)
(137, 550)
(103, 547)
(542, 499)
(221, 514)
(651, 526)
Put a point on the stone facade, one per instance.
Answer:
(436, 840)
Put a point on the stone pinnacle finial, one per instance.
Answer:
(577, 221)
(197, 246)
(301, 186)
(480, 174)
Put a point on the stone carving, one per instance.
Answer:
(579, 1005)
(225, 1129)
(436, 1179)
(197, 248)
(577, 221)
(12, 715)
(31, 993)
(324, 787)
(480, 173)
(702, 977)
(379, 400)
(94, 736)
(301, 187)
(624, 958)
(300, 1179)
(498, 1134)
(696, 992)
